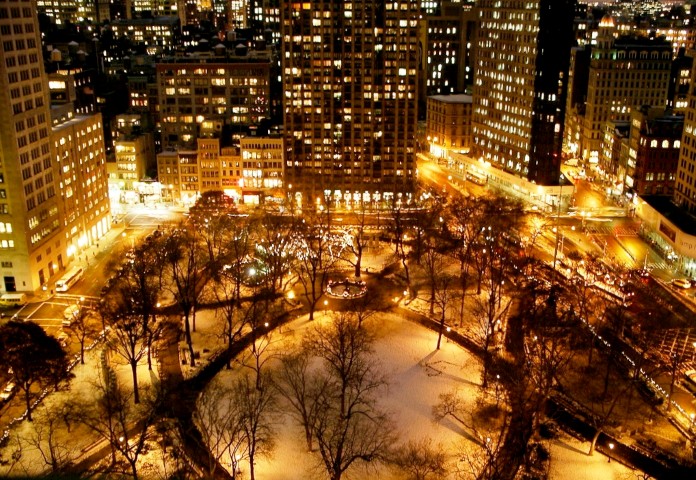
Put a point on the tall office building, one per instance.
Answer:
(447, 33)
(520, 80)
(51, 199)
(350, 84)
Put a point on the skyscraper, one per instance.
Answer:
(350, 85)
(520, 80)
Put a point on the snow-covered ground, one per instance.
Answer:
(418, 374)
(405, 352)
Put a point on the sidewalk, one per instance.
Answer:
(82, 259)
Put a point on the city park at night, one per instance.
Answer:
(348, 240)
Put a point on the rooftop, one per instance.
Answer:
(456, 98)
(682, 220)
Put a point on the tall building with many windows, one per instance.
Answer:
(217, 95)
(610, 80)
(520, 80)
(51, 199)
(350, 85)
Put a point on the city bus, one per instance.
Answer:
(477, 178)
(69, 279)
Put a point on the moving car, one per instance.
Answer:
(681, 283)
(70, 314)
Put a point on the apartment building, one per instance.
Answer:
(53, 194)
(623, 73)
(220, 93)
(448, 123)
(350, 79)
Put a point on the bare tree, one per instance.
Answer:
(188, 276)
(464, 218)
(257, 409)
(128, 332)
(217, 418)
(140, 281)
(433, 265)
(485, 427)
(315, 259)
(358, 239)
(127, 428)
(55, 450)
(82, 327)
(275, 249)
(421, 460)
(398, 230)
(350, 428)
(302, 388)
(443, 295)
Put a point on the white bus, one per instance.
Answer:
(69, 279)
(477, 178)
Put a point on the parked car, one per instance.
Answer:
(690, 381)
(7, 392)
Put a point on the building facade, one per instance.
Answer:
(350, 78)
(448, 123)
(654, 146)
(214, 95)
(51, 178)
(521, 72)
(80, 159)
(159, 35)
(685, 188)
(624, 73)
(251, 173)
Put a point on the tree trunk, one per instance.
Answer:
(134, 371)
(432, 297)
(309, 438)
(28, 403)
(358, 260)
(594, 442)
(134, 469)
(251, 465)
(189, 341)
(149, 351)
(82, 351)
(442, 328)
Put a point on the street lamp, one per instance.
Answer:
(611, 452)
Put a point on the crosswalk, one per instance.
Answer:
(660, 265)
(619, 231)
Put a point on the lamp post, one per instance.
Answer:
(611, 452)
